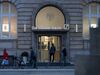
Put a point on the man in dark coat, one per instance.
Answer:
(33, 58)
(64, 54)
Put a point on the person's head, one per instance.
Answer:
(52, 44)
(63, 46)
(4, 49)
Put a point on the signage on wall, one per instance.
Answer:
(66, 27)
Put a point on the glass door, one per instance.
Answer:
(44, 44)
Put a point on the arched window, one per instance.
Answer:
(8, 21)
(91, 14)
(49, 17)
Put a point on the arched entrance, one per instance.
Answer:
(49, 28)
(49, 17)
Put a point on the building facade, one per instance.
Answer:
(38, 23)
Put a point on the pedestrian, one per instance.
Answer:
(5, 57)
(64, 54)
(33, 58)
(52, 52)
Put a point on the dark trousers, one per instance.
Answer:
(51, 57)
(33, 62)
(64, 60)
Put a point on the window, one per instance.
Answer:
(8, 21)
(91, 14)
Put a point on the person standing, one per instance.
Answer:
(52, 52)
(33, 58)
(64, 54)
(5, 58)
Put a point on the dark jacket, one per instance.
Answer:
(52, 49)
(64, 52)
(33, 55)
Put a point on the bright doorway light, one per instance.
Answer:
(93, 25)
(5, 28)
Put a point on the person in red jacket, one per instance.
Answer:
(5, 57)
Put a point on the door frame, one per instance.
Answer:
(59, 35)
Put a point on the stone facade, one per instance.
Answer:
(27, 10)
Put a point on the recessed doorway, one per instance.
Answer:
(44, 44)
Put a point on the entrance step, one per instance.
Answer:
(54, 64)
(40, 66)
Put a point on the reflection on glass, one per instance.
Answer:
(13, 24)
(13, 9)
(86, 11)
(5, 8)
(94, 21)
(0, 9)
(93, 8)
(8, 20)
(99, 9)
(85, 28)
(5, 20)
(90, 19)
(5, 25)
(5, 35)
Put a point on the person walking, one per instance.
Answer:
(33, 58)
(52, 52)
(5, 57)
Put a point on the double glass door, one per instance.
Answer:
(44, 44)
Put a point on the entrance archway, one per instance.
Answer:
(49, 22)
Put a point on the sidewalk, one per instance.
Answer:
(37, 71)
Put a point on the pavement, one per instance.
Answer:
(40, 70)
(37, 71)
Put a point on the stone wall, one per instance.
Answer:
(27, 9)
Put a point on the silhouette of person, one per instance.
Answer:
(52, 52)
(64, 54)
(33, 58)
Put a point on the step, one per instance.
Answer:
(55, 64)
